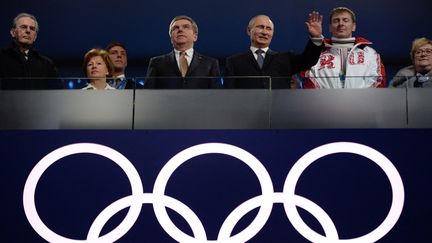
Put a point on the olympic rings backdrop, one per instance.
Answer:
(361, 185)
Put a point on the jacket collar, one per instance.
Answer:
(15, 48)
(357, 41)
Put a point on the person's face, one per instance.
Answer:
(118, 57)
(183, 34)
(97, 68)
(423, 58)
(24, 32)
(342, 25)
(261, 32)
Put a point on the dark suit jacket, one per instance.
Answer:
(279, 66)
(200, 68)
(13, 66)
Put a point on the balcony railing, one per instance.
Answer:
(264, 108)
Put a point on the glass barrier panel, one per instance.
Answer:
(32, 107)
(34, 83)
(208, 103)
(199, 103)
(174, 82)
(337, 82)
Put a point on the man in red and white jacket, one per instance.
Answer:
(345, 62)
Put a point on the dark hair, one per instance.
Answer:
(113, 44)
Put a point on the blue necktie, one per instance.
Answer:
(260, 57)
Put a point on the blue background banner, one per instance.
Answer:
(354, 192)
(74, 27)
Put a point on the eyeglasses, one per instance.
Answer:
(426, 52)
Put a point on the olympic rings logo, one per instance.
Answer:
(265, 201)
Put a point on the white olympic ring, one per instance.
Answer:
(398, 194)
(265, 201)
(34, 176)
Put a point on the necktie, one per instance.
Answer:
(120, 83)
(116, 82)
(183, 64)
(260, 57)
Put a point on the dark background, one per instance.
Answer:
(351, 189)
(70, 28)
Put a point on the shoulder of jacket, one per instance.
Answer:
(239, 55)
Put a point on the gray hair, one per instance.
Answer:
(22, 15)
(194, 24)
(417, 43)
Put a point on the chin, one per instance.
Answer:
(26, 43)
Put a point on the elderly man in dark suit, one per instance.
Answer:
(183, 68)
(21, 66)
(266, 68)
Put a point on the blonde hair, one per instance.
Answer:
(417, 43)
(342, 10)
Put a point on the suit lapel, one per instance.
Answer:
(196, 60)
(251, 59)
(173, 63)
(268, 58)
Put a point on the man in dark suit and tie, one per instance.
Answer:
(183, 68)
(266, 68)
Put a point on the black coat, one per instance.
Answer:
(16, 72)
(163, 73)
(279, 67)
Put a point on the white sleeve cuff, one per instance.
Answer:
(317, 40)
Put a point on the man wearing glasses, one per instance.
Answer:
(419, 74)
(21, 61)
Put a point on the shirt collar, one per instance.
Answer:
(107, 87)
(189, 52)
(253, 49)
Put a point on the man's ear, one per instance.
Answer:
(248, 31)
(354, 27)
(12, 32)
(195, 36)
